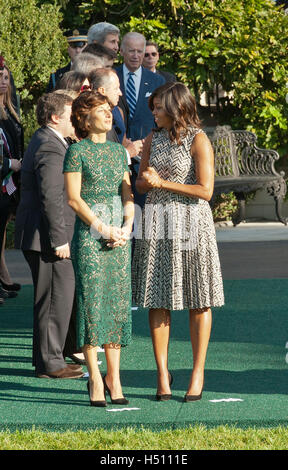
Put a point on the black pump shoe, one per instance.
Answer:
(188, 398)
(10, 287)
(165, 396)
(99, 403)
(116, 401)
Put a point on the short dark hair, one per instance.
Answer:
(49, 104)
(151, 43)
(81, 109)
(100, 50)
(179, 104)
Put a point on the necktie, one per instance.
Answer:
(131, 94)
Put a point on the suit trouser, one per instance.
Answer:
(54, 287)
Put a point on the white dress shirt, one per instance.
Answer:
(59, 135)
(137, 78)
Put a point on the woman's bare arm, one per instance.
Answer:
(202, 152)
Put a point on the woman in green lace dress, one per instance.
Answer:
(98, 189)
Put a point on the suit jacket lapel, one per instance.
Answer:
(144, 88)
(50, 131)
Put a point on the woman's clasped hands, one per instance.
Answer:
(114, 236)
(119, 236)
(152, 178)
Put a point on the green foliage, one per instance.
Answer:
(225, 206)
(231, 45)
(236, 46)
(33, 46)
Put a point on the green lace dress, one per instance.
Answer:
(102, 274)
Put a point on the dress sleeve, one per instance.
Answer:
(73, 160)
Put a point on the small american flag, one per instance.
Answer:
(10, 186)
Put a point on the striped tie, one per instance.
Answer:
(131, 94)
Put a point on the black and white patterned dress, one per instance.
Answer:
(175, 264)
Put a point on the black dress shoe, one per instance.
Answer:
(98, 403)
(114, 401)
(65, 373)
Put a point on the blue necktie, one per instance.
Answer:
(131, 94)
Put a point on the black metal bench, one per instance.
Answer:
(241, 167)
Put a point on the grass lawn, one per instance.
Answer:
(195, 438)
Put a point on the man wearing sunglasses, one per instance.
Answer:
(150, 61)
(77, 40)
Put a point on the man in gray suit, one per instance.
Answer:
(43, 230)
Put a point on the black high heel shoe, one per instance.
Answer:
(10, 287)
(188, 398)
(99, 403)
(165, 396)
(116, 401)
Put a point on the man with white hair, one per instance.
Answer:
(104, 33)
(137, 84)
(107, 35)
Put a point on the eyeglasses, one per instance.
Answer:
(85, 88)
(147, 54)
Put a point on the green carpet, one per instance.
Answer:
(246, 362)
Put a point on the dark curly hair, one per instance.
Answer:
(180, 106)
(81, 108)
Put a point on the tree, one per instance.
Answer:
(237, 46)
(32, 44)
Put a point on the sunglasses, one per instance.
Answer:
(147, 54)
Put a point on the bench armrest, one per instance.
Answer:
(253, 160)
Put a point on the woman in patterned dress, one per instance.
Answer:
(176, 264)
(98, 188)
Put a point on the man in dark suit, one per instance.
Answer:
(150, 61)
(140, 120)
(43, 230)
(77, 40)
(106, 82)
